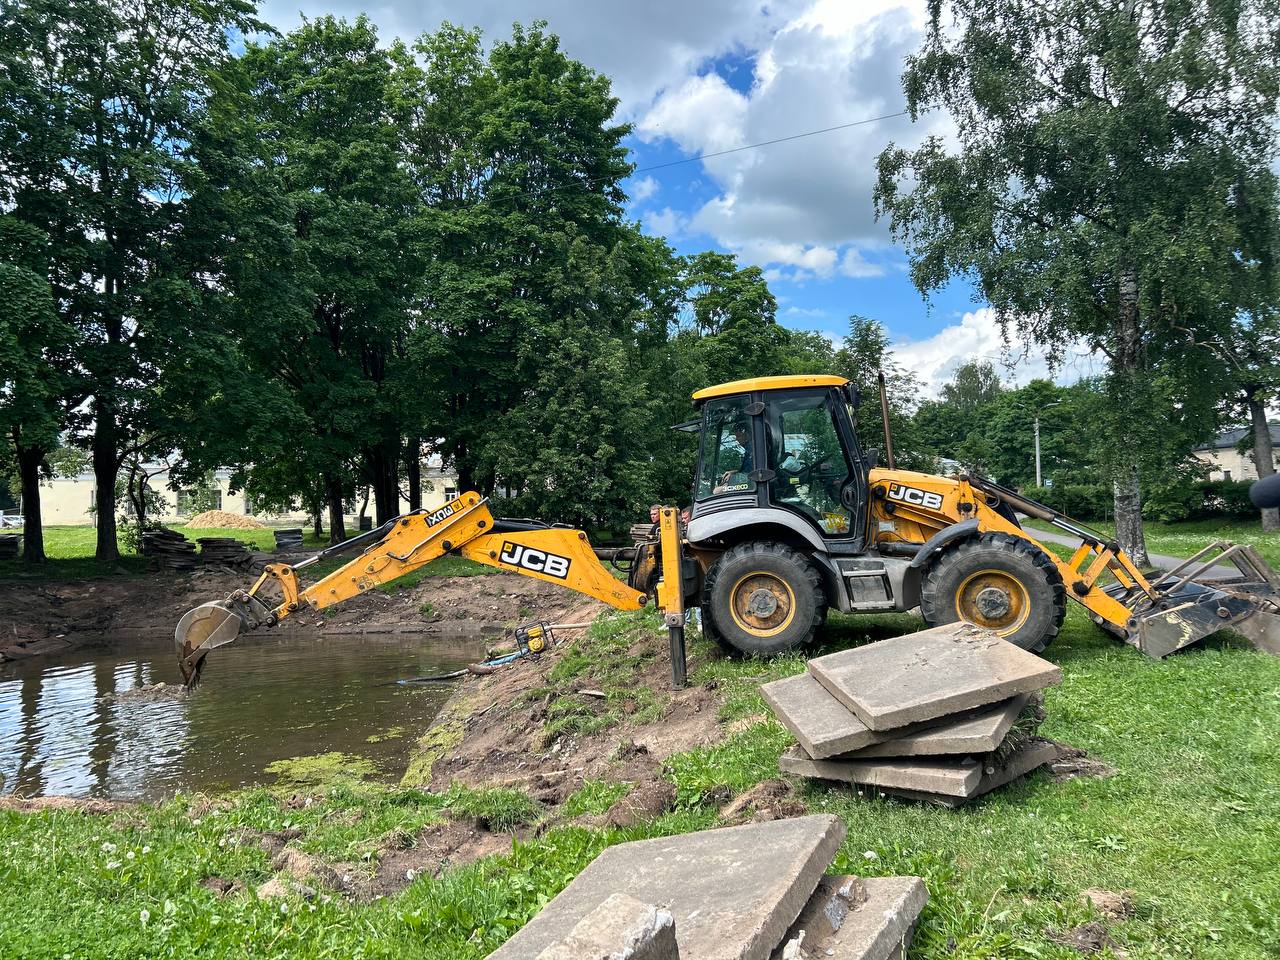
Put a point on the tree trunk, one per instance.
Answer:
(106, 468)
(413, 473)
(1263, 457)
(333, 494)
(1127, 364)
(315, 524)
(383, 468)
(29, 461)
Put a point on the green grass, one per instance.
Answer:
(1188, 823)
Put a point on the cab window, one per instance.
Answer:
(727, 449)
(808, 461)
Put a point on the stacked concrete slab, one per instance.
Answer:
(755, 892)
(926, 716)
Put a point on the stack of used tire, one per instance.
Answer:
(10, 546)
(289, 541)
(169, 549)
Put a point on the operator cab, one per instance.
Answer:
(784, 444)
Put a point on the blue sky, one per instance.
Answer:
(699, 76)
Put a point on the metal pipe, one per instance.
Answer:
(884, 417)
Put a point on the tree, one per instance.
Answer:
(1110, 159)
(101, 99)
(974, 384)
(33, 345)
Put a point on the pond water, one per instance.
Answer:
(70, 726)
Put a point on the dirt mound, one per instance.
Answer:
(1073, 763)
(1088, 938)
(221, 518)
(432, 851)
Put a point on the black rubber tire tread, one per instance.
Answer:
(1003, 552)
(805, 581)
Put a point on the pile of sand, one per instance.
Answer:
(221, 518)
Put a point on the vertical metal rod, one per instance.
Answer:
(1036, 430)
(884, 417)
(678, 675)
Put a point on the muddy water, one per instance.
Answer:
(71, 725)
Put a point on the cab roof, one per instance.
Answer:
(767, 383)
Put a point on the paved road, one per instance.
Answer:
(1163, 561)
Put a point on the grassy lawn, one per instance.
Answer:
(1188, 823)
(70, 552)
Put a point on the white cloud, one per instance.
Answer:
(978, 337)
(643, 189)
(642, 47)
(834, 63)
(853, 264)
(664, 223)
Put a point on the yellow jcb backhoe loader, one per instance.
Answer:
(791, 518)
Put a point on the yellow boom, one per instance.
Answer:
(463, 527)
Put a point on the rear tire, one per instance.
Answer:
(762, 598)
(999, 582)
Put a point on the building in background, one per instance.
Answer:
(1224, 459)
(68, 501)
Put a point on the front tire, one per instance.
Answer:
(762, 598)
(998, 582)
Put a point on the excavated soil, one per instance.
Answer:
(503, 740)
(47, 618)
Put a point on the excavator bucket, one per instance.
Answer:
(212, 625)
(1199, 597)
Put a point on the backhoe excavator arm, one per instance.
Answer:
(464, 526)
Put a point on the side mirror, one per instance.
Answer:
(872, 457)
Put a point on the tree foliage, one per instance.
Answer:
(1112, 160)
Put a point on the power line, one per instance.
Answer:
(768, 143)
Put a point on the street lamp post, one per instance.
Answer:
(1036, 430)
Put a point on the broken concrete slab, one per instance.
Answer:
(930, 674)
(977, 734)
(1024, 759)
(733, 892)
(852, 918)
(950, 776)
(621, 928)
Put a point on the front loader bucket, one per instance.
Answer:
(1192, 604)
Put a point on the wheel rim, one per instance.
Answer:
(763, 604)
(994, 599)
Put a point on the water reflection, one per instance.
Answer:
(65, 727)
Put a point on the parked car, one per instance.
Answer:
(10, 520)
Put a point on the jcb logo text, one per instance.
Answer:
(920, 498)
(553, 565)
(444, 513)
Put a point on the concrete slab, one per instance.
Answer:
(733, 892)
(980, 733)
(826, 728)
(930, 674)
(949, 776)
(851, 918)
(621, 928)
(1028, 757)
